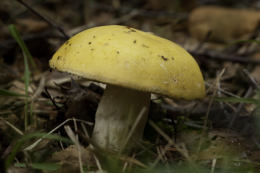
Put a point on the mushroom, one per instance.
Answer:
(133, 64)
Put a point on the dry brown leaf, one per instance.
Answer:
(69, 157)
(224, 23)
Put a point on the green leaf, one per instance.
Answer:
(40, 166)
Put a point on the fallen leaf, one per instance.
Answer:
(225, 24)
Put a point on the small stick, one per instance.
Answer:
(142, 112)
(218, 79)
(53, 130)
(74, 138)
(240, 106)
(252, 79)
(213, 165)
(60, 29)
(224, 57)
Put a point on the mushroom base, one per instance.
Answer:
(117, 113)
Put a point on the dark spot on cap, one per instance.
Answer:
(70, 44)
(145, 46)
(58, 58)
(94, 36)
(89, 42)
(130, 30)
(67, 42)
(92, 49)
(134, 41)
(117, 52)
(172, 58)
(164, 58)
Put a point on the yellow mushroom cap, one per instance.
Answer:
(131, 58)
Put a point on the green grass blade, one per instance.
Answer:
(27, 73)
(40, 166)
(30, 136)
(8, 93)
(21, 43)
(27, 83)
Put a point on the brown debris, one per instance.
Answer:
(224, 24)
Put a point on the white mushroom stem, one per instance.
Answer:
(116, 115)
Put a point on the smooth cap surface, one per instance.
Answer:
(131, 58)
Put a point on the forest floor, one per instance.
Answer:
(46, 117)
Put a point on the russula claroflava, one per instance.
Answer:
(133, 64)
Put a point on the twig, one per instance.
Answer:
(209, 109)
(213, 165)
(142, 12)
(224, 57)
(60, 29)
(48, 95)
(222, 90)
(91, 146)
(180, 148)
(247, 94)
(252, 79)
(40, 87)
(53, 130)
(142, 112)
(75, 140)
(240, 106)
(12, 126)
(121, 19)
